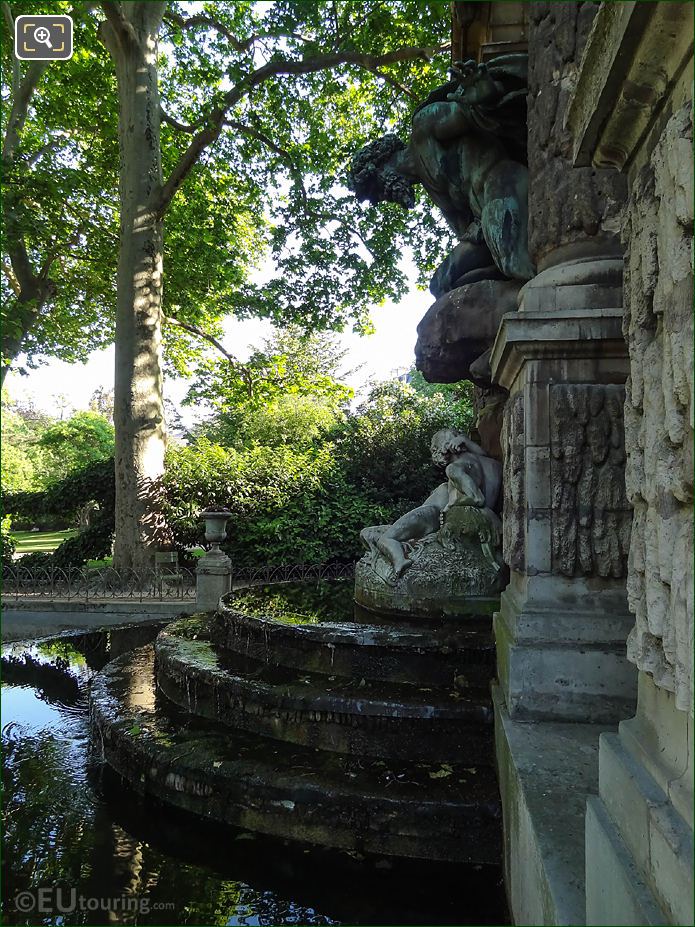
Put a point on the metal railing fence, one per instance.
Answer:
(105, 583)
(94, 584)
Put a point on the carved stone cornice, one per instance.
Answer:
(633, 56)
(561, 336)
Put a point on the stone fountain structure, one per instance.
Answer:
(368, 729)
(373, 735)
(584, 379)
(363, 725)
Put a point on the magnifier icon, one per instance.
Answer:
(43, 35)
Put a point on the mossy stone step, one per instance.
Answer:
(415, 809)
(387, 720)
(432, 653)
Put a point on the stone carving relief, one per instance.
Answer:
(658, 326)
(513, 536)
(590, 513)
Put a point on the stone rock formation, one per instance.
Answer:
(460, 327)
(443, 557)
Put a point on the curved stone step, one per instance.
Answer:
(419, 810)
(329, 713)
(397, 651)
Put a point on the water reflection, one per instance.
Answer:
(71, 830)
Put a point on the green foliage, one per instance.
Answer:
(7, 542)
(273, 185)
(289, 392)
(290, 502)
(38, 452)
(263, 224)
(385, 444)
(22, 460)
(288, 505)
(93, 483)
(77, 442)
(307, 502)
(60, 198)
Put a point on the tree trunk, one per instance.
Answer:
(131, 36)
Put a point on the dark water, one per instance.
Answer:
(79, 849)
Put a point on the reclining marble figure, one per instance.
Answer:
(472, 489)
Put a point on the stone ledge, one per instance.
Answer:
(625, 78)
(133, 606)
(546, 772)
(616, 893)
(559, 338)
(651, 843)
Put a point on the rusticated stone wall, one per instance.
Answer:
(567, 205)
(658, 327)
(590, 512)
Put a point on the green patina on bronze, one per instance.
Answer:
(468, 150)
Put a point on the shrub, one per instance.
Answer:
(7, 542)
(287, 506)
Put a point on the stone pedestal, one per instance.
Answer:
(563, 622)
(213, 579)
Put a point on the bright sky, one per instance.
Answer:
(387, 352)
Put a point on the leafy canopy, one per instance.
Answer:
(60, 157)
(263, 224)
(289, 392)
(77, 442)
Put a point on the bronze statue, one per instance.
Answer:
(468, 150)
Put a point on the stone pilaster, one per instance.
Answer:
(563, 621)
(573, 212)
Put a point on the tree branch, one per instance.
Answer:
(401, 88)
(181, 126)
(44, 149)
(20, 107)
(120, 31)
(200, 19)
(16, 67)
(282, 152)
(115, 18)
(299, 179)
(240, 45)
(233, 362)
(11, 278)
(206, 136)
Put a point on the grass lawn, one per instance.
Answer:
(31, 542)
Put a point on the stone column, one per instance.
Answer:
(213, 579)
(563, 621)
